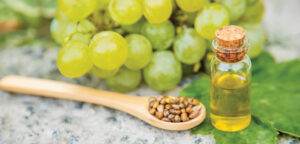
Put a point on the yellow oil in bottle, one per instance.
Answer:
(230, 101)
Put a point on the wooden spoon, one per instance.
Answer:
(134, 105)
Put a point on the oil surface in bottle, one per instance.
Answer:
(230, 101)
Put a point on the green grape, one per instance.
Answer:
(104, 74)
(125, 80)
(61, 17)
(56, 30)
(211, 18)
(191, 5)
(189, 47)
(85, 26)
(73, 59)
(79, 30)
(139, 51)
(157, 11)
(136, 27)
(125, 11)
(254, 13)
(255, 35)
(108, 50)
(161, 35)
(82, 37)
(164, 71)
(236, 8)
(77, 9)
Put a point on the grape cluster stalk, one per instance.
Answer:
(158, 42)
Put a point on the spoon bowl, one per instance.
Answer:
(134, 105)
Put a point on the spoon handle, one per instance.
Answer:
(61, 90)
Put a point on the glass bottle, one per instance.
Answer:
(230, 91)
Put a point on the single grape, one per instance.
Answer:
(61, 17)
(255, 35)
(161, 35)
(189, 47)
(125, 11)
(211, 18)
(236, 8)
(108, 50)
(125, 80)
(85, 26)
(82, 37)
(77, 9)
(164, 71)
(157, 11)
(79, 30)
(56, 30)
(104, 74)
(73, 59)
(136, 27)
(254, 13)
(191, 5)
(139, 51)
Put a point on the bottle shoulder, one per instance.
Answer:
(243, 65)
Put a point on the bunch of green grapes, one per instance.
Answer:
(127, 42)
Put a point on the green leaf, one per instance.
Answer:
(278, 104)
(276, 93)
(257, 132)
(275, 98)
(261, 61)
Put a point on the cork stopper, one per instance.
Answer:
(230, 44)
(231, 36)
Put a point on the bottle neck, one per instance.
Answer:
(230, 54)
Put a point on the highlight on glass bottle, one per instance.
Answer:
(230, 91)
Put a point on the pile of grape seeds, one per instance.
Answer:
(174, 109)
